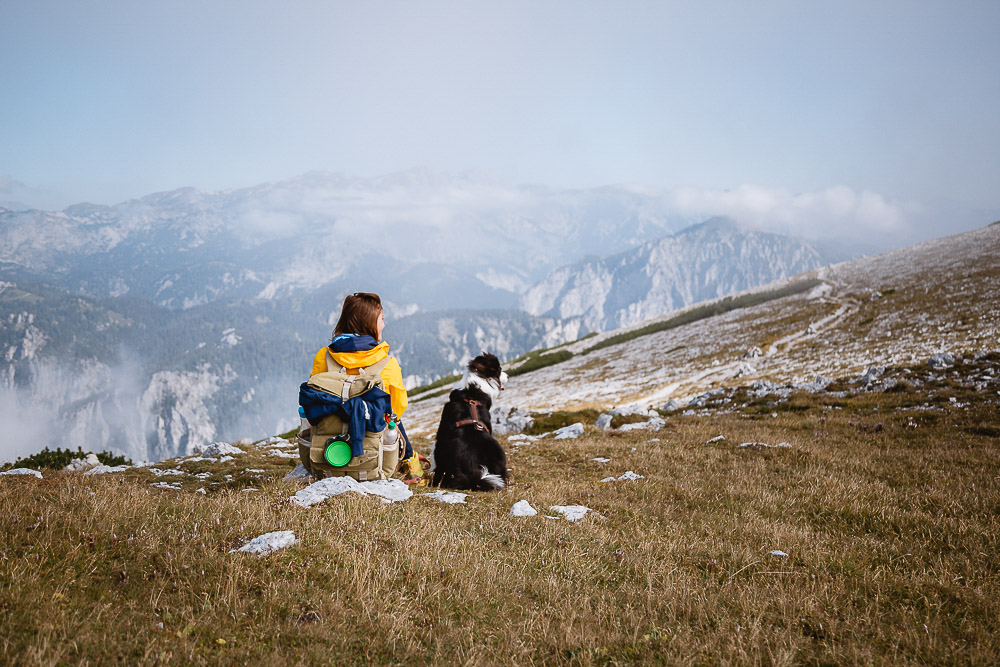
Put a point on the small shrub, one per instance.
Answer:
(60, 458)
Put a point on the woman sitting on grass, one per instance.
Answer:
(357, 343)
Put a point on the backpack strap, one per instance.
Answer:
(377, 367)
(331, 364)
(365, 373)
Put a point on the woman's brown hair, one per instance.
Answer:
(360, 315)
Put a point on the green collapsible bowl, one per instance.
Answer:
(337, 453)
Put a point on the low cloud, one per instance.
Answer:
(836, 212)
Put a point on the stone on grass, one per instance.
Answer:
(942, 360)
(571, 512)
(217, 449)
(103, 469)
(672, 404)
(268, 543)
(86, 463)
(764, 444)
(513, 422)
(521, 438)
(603, 421)
(449, 497)
(22, 471)
(718, 438)
(387, 490)
(778, 552)
(871, 374)
(819, 384)
(281, 454)
(298, 472)
(628, 476)
(571, 431)
(169, 472)
(523, 508)
(654, 424)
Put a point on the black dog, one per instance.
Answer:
(465, 454)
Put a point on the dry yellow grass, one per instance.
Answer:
(886, 504)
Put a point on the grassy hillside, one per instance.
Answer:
(886, 505)
(858, 525)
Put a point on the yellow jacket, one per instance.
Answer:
(392, 374)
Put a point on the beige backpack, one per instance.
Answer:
(382, 450)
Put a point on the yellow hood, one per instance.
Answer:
(362, 358)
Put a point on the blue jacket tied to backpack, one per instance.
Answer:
(362, 413)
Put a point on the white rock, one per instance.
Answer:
(281, 454)
(523, 508)
(164, 473)
(389, 490)
(632, 409)
(718, 438)
(173, 486)
(763, 444)
(514, 422)
(777, 552)
(299, 472)
(103, 469)
(571, 512)
(654, 424)
(603, 421)
(268, 543)
(601, 459)
(627, 476)
(942, 360)
(571, 431)
(518, 438)
(218, 449)
(76, 465)
(22, 471)
(449, 497)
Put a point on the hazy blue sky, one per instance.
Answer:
(106, 100)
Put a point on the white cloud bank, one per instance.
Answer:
(836, 212)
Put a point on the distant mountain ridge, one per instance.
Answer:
(187, 247)
(165, 322)
(702, 262)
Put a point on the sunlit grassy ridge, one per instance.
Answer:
(887, 505)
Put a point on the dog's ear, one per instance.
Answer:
(485, 365)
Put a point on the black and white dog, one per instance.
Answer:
(466, 456)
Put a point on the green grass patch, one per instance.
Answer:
(555, 420)
(447, 380)
(535, 362)
(720, 307)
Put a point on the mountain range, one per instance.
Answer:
(169, 321)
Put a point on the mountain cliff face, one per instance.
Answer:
(702, 262)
